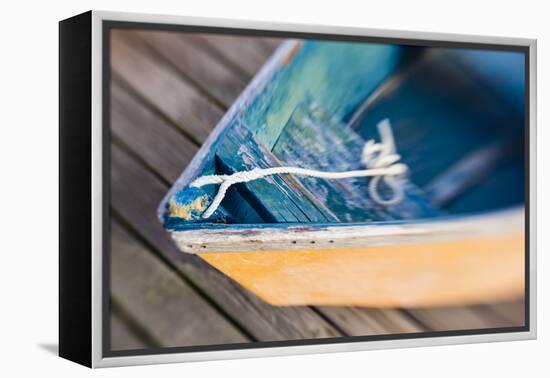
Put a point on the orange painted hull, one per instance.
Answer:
(458, 272)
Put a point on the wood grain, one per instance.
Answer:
(357, 321)
(245, 55)
(173, 312)
(159, 144)
(122, 336)
(210, 75)
(505, 314)
(166, 90)
(278, 201)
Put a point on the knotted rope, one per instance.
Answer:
(380, 159)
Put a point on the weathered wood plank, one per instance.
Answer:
(159, 144)
(245, 55)
(160, 301)
(138, 207)
(512, 312)
(472, 317)
(122, 336)
(181, 50)
(162, 86)
(275, 198)
(336, 76)
(357, 321)
(269, 44)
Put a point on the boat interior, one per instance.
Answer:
(457, 117)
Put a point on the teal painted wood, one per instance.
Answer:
(314, 139)
(275, 198)
(338, 75)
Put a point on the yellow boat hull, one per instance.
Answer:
(457, 272)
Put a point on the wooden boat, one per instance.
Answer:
(456, 234)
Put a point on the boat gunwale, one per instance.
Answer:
(299, 236)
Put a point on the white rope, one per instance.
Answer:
(380, 159)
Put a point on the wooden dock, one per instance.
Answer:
(168, 91)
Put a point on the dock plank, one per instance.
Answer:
(159, 300)
(512, 312)
(122, 336)
(245, 55)
(141, 129)
(357, 321)
(470, 317)
(211, 75)
(163, 87)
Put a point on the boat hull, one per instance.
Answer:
(414, 275)
(457, 261)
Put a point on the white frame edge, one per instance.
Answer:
(97, 199)
(97, 189)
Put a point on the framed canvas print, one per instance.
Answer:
(234, 189)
